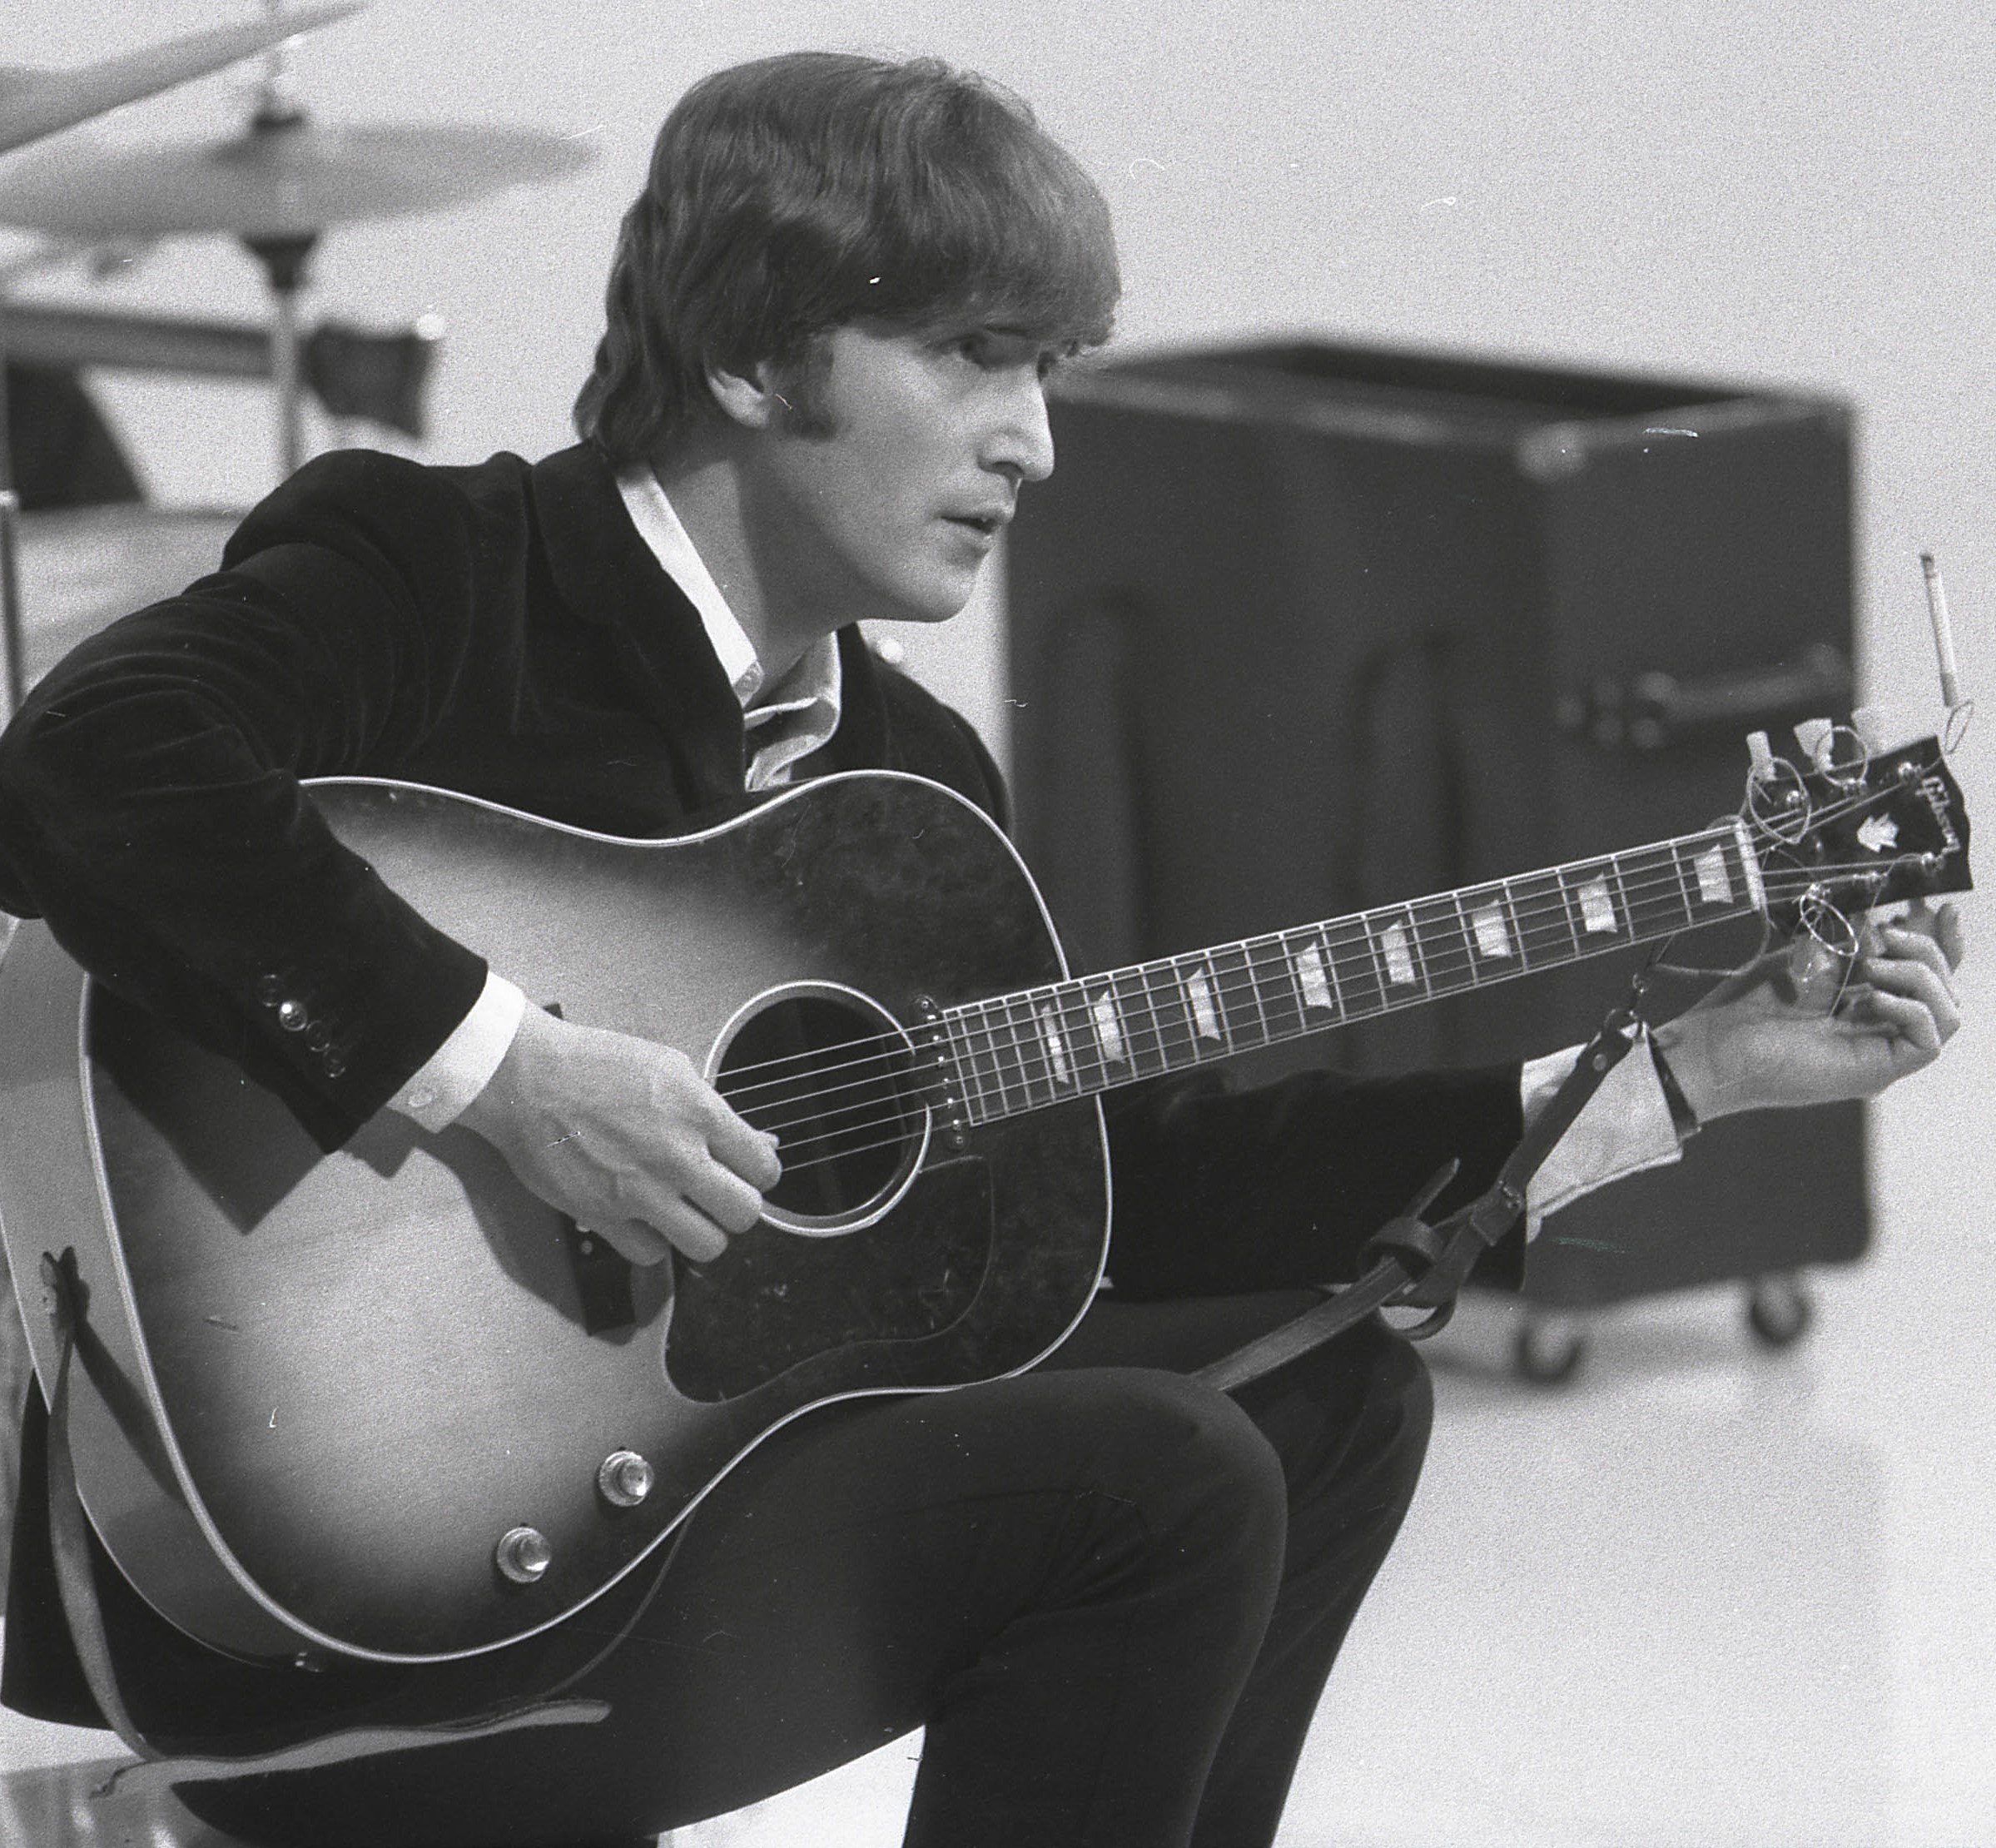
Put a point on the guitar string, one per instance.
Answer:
(1558, 905)
(901, 1116)
(1532, 913)
(995, 1021)
(1358, 951)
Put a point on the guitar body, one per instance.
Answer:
(315, 1392)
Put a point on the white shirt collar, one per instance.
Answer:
(807, 697)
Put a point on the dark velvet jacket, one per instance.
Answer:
(504, 630)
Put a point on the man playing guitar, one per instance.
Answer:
(1109, 1593)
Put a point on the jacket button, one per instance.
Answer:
(334, 1064)
(292, 1016)
(268, 989)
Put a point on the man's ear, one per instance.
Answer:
(748, 398)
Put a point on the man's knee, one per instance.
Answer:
(1193, 1467)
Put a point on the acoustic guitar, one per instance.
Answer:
(385, 1402)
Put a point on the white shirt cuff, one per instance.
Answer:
(1624, 1128)
(460, 1068)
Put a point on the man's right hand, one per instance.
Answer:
(626, 1138)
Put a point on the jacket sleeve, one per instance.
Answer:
(1219, 1190)
(150, 808)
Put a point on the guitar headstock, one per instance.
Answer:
(1856, 831)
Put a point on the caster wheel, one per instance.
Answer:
(1547, 1350)
(1777, 1310)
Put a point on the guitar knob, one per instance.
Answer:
(523, 1555)
(625, 1479)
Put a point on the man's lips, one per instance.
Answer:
(990, 521)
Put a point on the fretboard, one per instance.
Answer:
(1023, 1051)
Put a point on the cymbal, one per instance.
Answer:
(276, 180)
(34, 102)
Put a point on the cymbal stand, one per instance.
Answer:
(283, 257)
(284, 260)
(13, 646)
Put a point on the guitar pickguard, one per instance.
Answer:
(775, 1301)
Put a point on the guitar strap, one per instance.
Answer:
(69, 1536)
(1416, 1265)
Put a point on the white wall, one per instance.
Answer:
(1774, 191)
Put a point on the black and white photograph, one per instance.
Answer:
(1045, 926)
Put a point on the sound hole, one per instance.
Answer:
(832, 1077)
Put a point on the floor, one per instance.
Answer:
(1702, 1594)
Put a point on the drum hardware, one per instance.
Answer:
(377, 375)
(276, 187)
(36, 103)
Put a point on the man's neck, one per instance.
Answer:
(706, 491)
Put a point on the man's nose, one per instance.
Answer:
(1021, 442)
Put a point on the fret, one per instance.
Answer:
(1160, 1033)
(1205, 1015)
(1710, 873)
(1490, 931)
(1507, 905)
(1053, 1042)
(1111, 1031)
(1234, 980)
(1395, 951)
(994, 1061)
(1652, 891)
(1546, 925)
(1447, 962)
(956, 1033)
(1022, 1031)
(1314, 972)
(1278, 986)
(1682, 882)
(1618, 896)
(1591, 905)
(1361, 982)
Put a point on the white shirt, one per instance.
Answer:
(1626, 1127)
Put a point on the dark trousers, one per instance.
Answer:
(1110, 1594)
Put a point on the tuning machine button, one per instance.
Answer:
(523, 1555)
(1761, 756)
(625, 1479)
(1813, 735)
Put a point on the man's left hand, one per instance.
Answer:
(1801, 1025)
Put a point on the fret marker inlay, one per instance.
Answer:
(1394, 947)
(1714, 887)
(1492, 939)
(1199, 997)
(1108, 1028)
(1056, 1046)
(1596, 908)
(1311, 978)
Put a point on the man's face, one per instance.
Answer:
(882, 495)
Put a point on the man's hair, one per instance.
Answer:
(792, 196)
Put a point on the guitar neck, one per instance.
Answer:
(1022, 1052)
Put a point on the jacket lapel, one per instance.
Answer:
(606, 574)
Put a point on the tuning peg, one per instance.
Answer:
(1868, 723)
(1813, 735)
(1761, 756)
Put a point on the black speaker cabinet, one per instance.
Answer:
(1299, 629)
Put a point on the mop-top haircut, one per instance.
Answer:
(795, 195)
